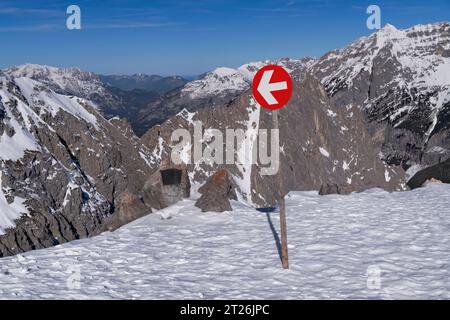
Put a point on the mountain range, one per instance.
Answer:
(116, 95)
(372, 114)
(145, 82)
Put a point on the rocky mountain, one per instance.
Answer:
(215, 88)
(72, 81)
(153, 83)
(400, 80)
(360, 116)
(66, 172)
(320, 144)
(112, 101)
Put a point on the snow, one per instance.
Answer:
(324, 152)
(331, 113)
(144, 157)
(157, 153)
(10, 211)
(224, 72)
(53, 102)
(387, 177)
(336, 243)
(13, 148)
(70, 187)
(62, 80)
(345, 166)
(246, 153)
(38, 102)
(437, 149)
(188, 116)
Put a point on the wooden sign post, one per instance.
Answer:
(282, 204)
(272, 89)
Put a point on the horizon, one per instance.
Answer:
(185, 38)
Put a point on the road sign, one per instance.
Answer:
(272, 87)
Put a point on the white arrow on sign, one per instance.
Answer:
(265, 88)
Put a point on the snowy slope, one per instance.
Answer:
(28, 114)
(421, 54)
(69, 80)
(10, 211)
(73, 81)
(333, 242)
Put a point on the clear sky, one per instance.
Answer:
(189, 37)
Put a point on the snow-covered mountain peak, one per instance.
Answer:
(62, 80)
(69, 82)
(50, 73)
(25, 104)
(420, 54)
(224, 80)
(388, 28)
(400, 78)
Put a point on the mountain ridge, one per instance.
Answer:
(359, 118)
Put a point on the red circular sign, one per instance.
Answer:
(272, 87)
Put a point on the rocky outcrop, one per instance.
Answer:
(216, 193)
(129, 207)
(439, 172)
(65, 171)
(332, 188)
(166, 186)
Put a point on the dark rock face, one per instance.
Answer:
(65, 171)
(440, 172)
(216, 192)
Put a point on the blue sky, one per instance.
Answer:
(193, 36)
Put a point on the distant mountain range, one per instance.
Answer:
(146, 82)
